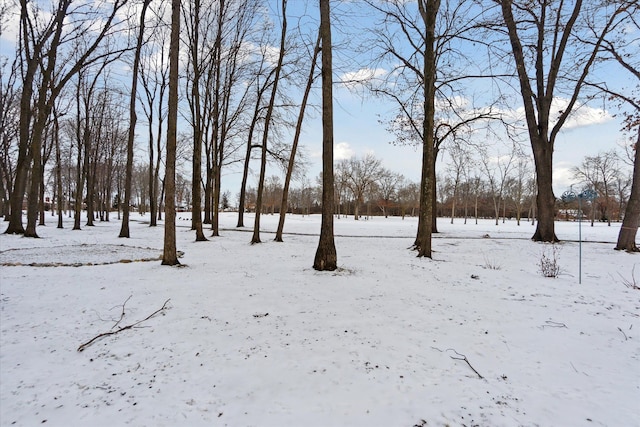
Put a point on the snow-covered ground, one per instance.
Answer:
(251, 335)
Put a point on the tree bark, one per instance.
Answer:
(326, 258)
(629, 228)
(428, 11)
(545, 199)
(170, 254)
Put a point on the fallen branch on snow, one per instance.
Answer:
(124, 328)
(463, 357)
(552, 324)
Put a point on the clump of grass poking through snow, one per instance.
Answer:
(549, 266)
(491, 264)
(631, 283)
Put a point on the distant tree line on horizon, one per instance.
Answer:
(364, 188)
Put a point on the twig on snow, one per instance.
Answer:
(552, 324)
(578, 372)
(574, 368)
(463, 357)
(622, 332)
(124, 328)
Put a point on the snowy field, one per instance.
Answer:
(251, 335)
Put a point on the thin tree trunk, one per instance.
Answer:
(196, 173)
(56, 136)
(267, 122)
(124, 230)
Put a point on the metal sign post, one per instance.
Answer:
(569, 196)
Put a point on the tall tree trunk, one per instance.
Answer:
(428, 11)
(153, 191)
(217, 134)
(80, 168)
(41, 201)
(453, 208)
(326, 258)
(124, 230)
(217, 189)
(267, 121)
(629, 228)
(91, 187)
(196, 173)
(196, 212)
(434, 186)
(59, 200)
(208, 188)
(170, 253)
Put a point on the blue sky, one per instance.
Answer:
(357, 127)
(591, 130)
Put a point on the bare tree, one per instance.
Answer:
(261, 84)
(599, 173)
(411, 41)
(516, 186)
(41, 45)
(497, 170)
(296, 138)
(459, 160)
(326, 258)
(388, 185)
(541, 36)
(617, 47)
(198, 30)
(361, 174)
(153, 76)
(409, 198)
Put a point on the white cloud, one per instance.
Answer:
(342, 150)
(562, 177)
(361, 77)
(582, 115)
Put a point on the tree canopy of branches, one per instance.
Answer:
(543, 39)
(54, 46)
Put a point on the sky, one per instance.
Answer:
(592, 129)
(357, 116)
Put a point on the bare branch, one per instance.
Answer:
(124, 328)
